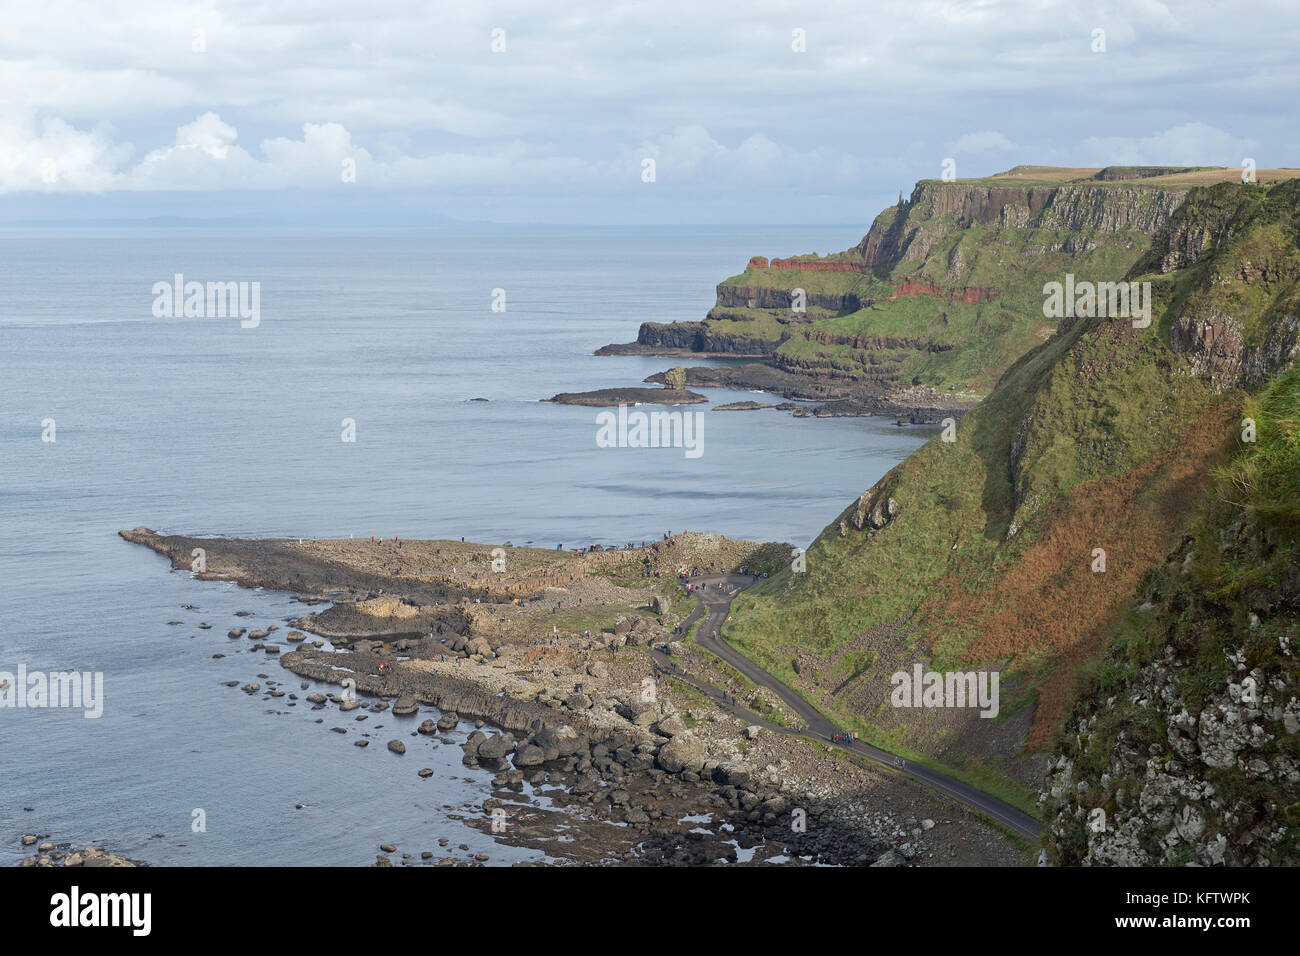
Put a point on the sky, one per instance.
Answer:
(611, 112)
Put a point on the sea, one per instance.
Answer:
(116, 413)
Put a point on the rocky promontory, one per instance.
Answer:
(606, 397)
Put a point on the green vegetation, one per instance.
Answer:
(975, 303)
(769, 558)
(1266, 477)
(1230, 590)
(1098, 438)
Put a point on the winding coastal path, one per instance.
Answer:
(716, 593)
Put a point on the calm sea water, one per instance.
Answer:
(201, 426)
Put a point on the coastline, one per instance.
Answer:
(571, 713)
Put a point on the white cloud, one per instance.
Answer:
(1191, 144)
(417, 99)
(52, 156)
(981, 142)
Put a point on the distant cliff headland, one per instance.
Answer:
(942, 295)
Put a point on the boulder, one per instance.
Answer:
(670, 726)
(529, 755)
(683, 753)
(497, 747)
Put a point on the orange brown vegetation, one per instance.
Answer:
(1049, 605)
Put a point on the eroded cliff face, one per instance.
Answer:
(1237, 317)
(754, 296)
(1231, 312)
(702, 337)
(1184, 746)
(936, 209)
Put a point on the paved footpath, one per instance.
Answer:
(716, 593)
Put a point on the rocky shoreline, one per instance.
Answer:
(49, 853)
(556, 662)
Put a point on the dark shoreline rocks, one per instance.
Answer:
(65, 854)
(597, 767)
(607, 397)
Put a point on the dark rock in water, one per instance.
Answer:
(497, 747)
(448, 721)
(272, 648)
(361, 743)
(426, 772)
(428, 728)
(232, 683)
(405, 706)
(258, 635)
(529, 755)
(251, 688)
(606, 397)
(236, 632)
(217, 657)
(388, 848)
(397, 747)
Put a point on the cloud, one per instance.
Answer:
(1191, 144)
(281, 95)
(52, 156)
(980, 142)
